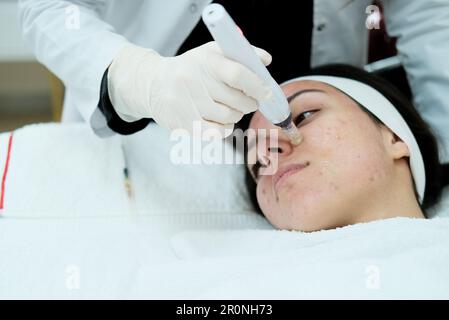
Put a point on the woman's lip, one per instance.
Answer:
(285, 172)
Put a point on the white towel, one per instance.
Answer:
(126, 258)
(53, 258)
(388, 259)
(65, 171)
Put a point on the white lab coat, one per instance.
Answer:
(79, 54)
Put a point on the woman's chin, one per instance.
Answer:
(306, 213)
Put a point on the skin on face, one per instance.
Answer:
(351, 168)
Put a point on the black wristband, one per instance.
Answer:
(113, 120)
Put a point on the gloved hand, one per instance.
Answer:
(199, 85)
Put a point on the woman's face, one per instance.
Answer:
(341, 165)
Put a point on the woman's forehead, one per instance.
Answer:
(295, 86)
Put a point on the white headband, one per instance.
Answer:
(381, 107)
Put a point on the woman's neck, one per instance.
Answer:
(395, 202)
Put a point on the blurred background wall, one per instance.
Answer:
(29, 93)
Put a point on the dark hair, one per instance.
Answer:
(437, 175)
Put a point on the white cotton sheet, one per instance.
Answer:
(391, 259)
(132, 258)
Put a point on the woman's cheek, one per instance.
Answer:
(327, 135)
(340, 155)
(263, 193)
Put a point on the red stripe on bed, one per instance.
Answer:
(5, 171)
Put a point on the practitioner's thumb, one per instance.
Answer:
(263, 55)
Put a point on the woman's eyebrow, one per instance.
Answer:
(298, 93)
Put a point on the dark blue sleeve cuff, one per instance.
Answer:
(113, 120)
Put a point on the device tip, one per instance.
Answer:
(296, 139)
(293, 134)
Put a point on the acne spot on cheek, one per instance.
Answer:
(333, 134)
(375, 175)
(265, 202)
(372, 178)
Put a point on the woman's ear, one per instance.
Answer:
(395, 147)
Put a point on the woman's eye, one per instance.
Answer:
(303, 116)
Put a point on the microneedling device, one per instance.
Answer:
(236, 47)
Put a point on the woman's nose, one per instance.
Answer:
(280, 148)
(270, 155)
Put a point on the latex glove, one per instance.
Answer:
(199, 85)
